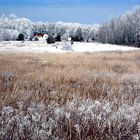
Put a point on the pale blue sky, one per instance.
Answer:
(82, 11)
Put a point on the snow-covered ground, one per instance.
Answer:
(59, 47)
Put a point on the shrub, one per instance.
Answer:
(21, 37)
(50, 40)
(58, 38)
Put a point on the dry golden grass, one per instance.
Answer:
(87, 74)
(110, 76)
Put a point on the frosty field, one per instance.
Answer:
(69, 96)
(70, 70)
(59, 47)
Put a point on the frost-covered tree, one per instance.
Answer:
(78, 35)
(24, 26)
(40, 27)
(123, 30)
(8, 34)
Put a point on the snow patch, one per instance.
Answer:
(59, 47)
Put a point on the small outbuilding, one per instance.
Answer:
(40, 36)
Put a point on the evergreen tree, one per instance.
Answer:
(20, 37)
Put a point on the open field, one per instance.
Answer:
(59, 47)
(74, 96)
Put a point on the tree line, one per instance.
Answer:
(123, 30)
(11, 26)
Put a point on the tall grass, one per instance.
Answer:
(70, 96)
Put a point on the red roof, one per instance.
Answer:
(41, 35)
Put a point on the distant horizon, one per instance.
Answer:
(68, 11)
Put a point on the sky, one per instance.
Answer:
(81, 11)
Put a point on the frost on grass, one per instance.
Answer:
(8, 78)
(78, 118)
